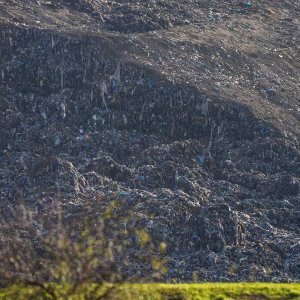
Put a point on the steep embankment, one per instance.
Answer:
(187, 109)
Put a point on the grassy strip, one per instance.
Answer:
(206, 291)
(216, 291)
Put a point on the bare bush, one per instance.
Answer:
(85, 256)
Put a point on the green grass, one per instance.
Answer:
(214, 291)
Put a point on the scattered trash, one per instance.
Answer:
(122, 194)
(57, 140)
(200, 159)
(247, 4)
(226, 17)
(270, 91)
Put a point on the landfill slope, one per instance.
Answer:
(186, 111)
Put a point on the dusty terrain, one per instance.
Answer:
(188, 110)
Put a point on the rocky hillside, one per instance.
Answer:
(187, 110)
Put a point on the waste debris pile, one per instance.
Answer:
(186, 112)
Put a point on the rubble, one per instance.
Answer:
(197, 138)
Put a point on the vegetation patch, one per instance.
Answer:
(214, 291)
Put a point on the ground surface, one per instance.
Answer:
(188, 110)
